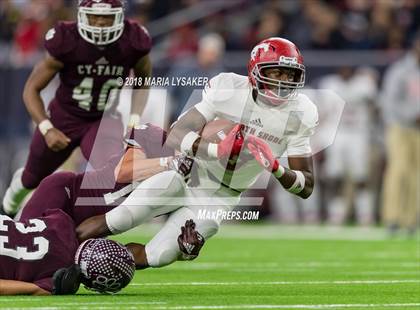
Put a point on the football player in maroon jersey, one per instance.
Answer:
(32, 250)
(42, 255)
(92, 56)
(54, 203)
(84, 196)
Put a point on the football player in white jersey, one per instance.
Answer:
(347, 160)
(275, 121)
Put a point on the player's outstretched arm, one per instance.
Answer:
(298, 179)
(134, 166)
(12, 287)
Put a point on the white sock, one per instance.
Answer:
(15, 194)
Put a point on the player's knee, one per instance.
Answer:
(164, 254)
(121, 219)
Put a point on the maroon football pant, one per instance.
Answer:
(98, 141)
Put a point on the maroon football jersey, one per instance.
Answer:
(32, 250)
(90, 72)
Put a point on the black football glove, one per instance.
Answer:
(66, 281)
(190, 241)
(182, 164)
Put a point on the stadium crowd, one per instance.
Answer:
(329, 24)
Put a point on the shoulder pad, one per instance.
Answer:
(61, 39)
(139, 37)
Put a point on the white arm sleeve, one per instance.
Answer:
(157, 195)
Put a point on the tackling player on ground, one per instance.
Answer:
(89, 55)
(96, 192)
(84, 195)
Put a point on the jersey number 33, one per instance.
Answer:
(40, 244)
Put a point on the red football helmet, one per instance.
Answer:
(276, 53)
(100, 35)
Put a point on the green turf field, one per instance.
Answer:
(269, 267)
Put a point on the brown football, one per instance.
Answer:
(216, 131)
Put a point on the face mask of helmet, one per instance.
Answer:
(106, 265)
(282, 85)
(96, 34)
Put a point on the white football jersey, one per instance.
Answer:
(285, 128)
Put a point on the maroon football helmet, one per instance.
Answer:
(276, 53)
(107, 266)
(100, 35)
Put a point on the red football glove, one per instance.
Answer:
(262, 153)
(232, 144)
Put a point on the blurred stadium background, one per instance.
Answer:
(352, 43)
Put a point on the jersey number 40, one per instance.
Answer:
(107, 95)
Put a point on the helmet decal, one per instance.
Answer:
(255, 50)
